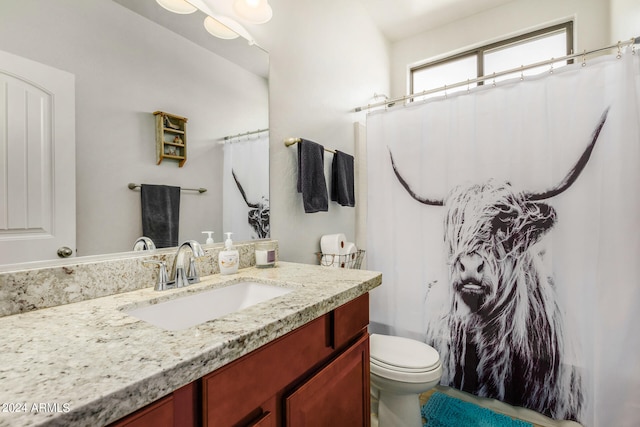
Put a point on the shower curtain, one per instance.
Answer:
(245, 188)
(506, 224)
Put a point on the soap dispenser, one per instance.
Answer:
(229, 259)
(210, 238)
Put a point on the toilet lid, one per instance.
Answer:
(402, 354)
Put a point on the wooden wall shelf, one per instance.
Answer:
(171, 137)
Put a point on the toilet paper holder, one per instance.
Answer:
(353, 260)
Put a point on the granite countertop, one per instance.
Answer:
(89, 363)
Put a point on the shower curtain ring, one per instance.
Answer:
(445, 91)
(551, 69)
(584, 58)
(494, 79)
(619, 55)
(521, 72)
(468, 85)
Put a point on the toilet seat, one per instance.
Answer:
(403, 359)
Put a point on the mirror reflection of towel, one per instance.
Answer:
(342, 179)
(160, 214)
(311, 182)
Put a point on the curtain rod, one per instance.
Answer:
(291, 141)
(199, 190)
(392, 102)
(226, 138)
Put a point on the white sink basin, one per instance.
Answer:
(197, 308)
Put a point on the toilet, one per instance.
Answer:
(401, 369)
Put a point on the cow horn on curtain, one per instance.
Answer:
(245, 187)
(529, 295)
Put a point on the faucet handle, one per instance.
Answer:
(163, 278)
(181, 279)
(192, 273)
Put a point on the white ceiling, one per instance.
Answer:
(399, 19)
(191, 27)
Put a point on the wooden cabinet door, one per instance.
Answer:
(337, 395)
(234, 394)
(179, 409)
(267, 419)
(157, 414)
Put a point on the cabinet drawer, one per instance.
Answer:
(349, 320)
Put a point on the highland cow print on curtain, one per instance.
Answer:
(245, 189)
(506, 223)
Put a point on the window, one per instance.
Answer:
(537, 46)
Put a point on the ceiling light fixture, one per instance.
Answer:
(253, 11)
(177, 6)
(217, 29)
(216, 22)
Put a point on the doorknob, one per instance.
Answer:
(64, 252)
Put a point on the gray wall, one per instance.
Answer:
(625, 19)
(591, 29)
(326, 58)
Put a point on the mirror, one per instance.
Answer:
(131, 58)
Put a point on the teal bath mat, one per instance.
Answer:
(445, 411)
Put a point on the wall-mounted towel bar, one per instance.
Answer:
(291, 141)
(199, 190)
(240, 135)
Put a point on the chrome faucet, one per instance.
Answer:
(143, 243)
(180, 276)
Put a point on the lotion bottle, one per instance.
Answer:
(229, 259)
(210, 238)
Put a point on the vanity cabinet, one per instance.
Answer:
(316, 375)
(171, 137)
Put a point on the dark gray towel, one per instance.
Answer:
(342, 179)
(160, 214)
(311, 182)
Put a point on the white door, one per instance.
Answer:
(37, 160)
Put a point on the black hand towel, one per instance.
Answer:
(311, 182)
(160, 214)
(342, 179)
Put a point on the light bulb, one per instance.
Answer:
(177, 6)
(253, 11)
(217, 29)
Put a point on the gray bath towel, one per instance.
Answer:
(160, 214)
(311, 182)
(342, 179)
